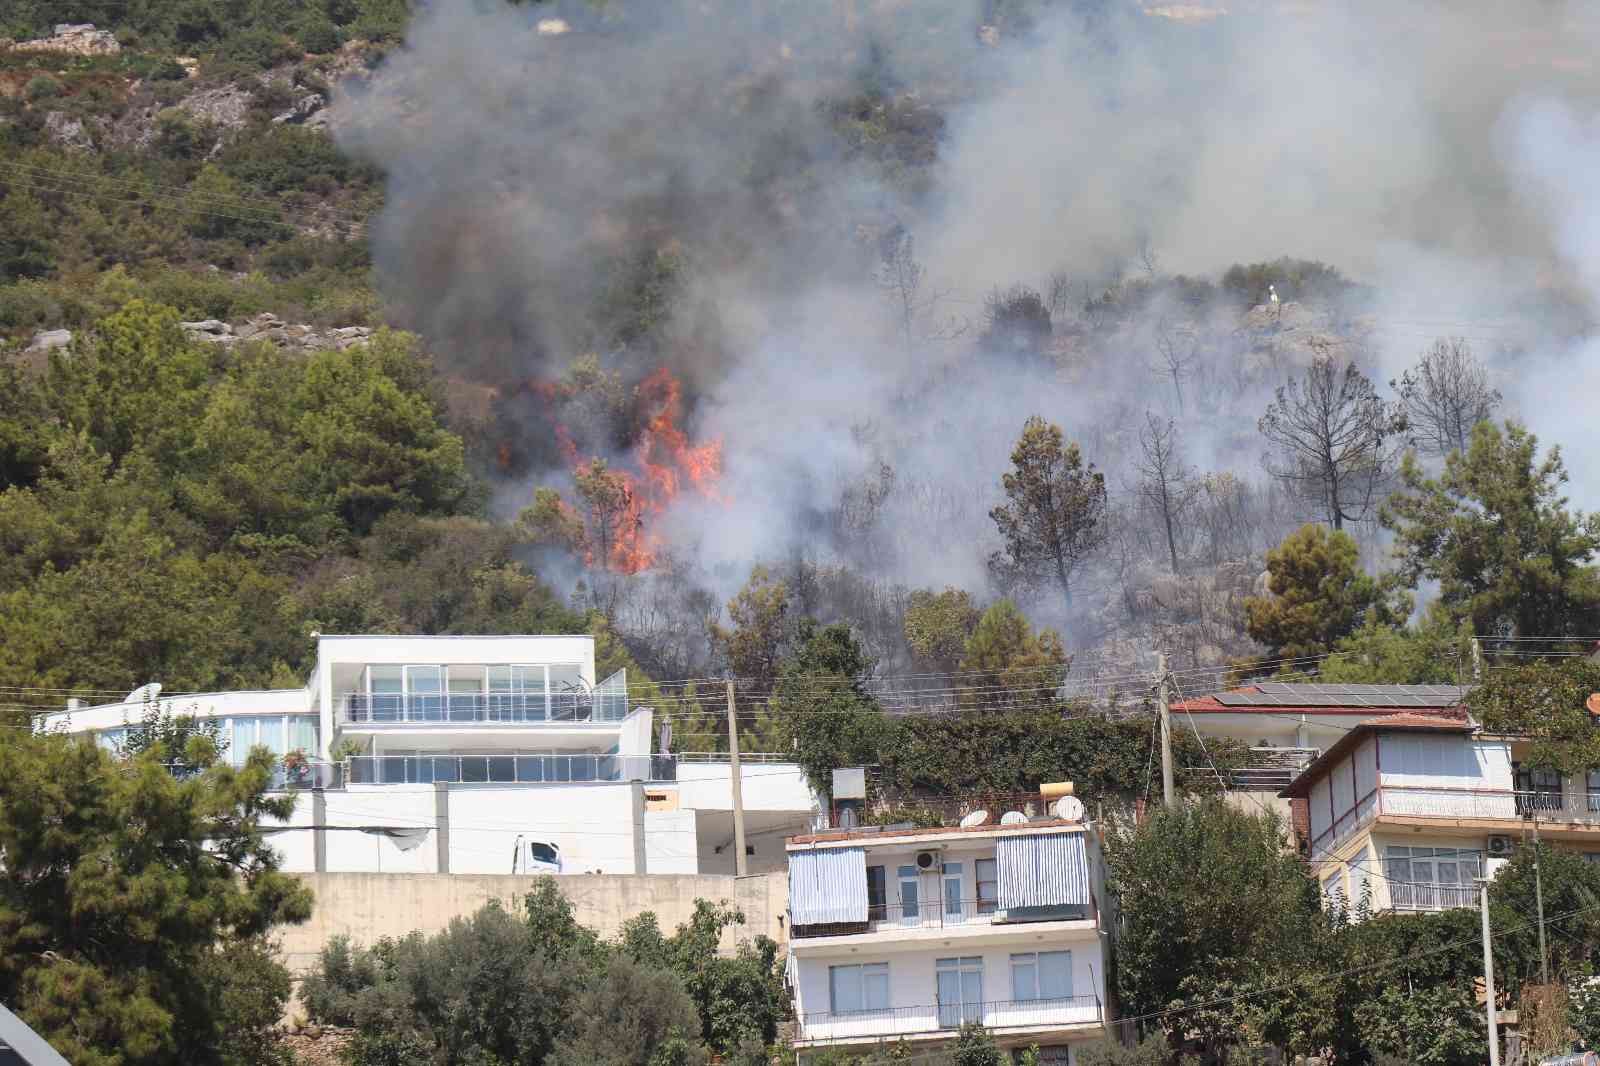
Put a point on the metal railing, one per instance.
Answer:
(935, 1017)
(1482, 804)
(508, 769)
(511, 708)
(1271, 769)
(1418, 896)
(939, 914)
(312, 773)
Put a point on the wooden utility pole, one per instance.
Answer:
(1538, 895)
(1477, 661)
(1488, 973)
(739, 866)
(1166, 728)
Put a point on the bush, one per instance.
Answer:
(259, 48)
(42, 87)
(320, 36)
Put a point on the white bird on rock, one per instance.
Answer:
(1272, 298)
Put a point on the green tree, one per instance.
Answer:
(975, 1047)
(1545, 702)
(1434, 651)
(1494, 531)
(1007, 662)
(753, 645)
(1319, 595)
(1209, 895)
(121, 886)
(1056, 514)
(937, 626)
(24, 434)
(1437, 1025)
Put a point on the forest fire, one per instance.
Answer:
(611, 527)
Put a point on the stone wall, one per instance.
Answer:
(368, 906)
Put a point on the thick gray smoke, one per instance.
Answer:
(1442, 153)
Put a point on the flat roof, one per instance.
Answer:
(927, 833)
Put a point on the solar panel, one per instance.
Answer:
(1285, 694)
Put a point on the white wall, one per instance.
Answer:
(912, 974)
(297, 849)
(592, 824)
(203, 705)
(633, 736)
(1430, 760)
(708, 786)
(670, 842)
(392, 806)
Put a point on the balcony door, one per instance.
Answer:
(424, 693)
(960, 991)
(1538, 791)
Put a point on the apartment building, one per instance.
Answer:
(1409, 810)
(481, 754)
(907, 933)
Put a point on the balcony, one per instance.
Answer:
(1420, 896)
(508, 769)
(361, 710)
(820, 1027)
(1460, 804)
(939, 914)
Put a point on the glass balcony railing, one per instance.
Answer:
(508, 769)
(606, 702)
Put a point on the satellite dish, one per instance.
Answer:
(974, 819)
(1069, 809)
(1013, 818)
(144, 693)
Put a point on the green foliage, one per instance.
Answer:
(1055, 513)
(493, 988)
(975, 1047)
(1583, 1013)
(1439, 1025)
(1208, 895)
(132, 900)
(1319, 595)
(1151, 1051)
(1006, 662)
(937, 626)
(754, 643)
(41, 87)
(1494, 531)
(1432, 652)
(1298, 280)
(1543, 701)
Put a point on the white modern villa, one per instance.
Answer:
(907, 933)
(481, 754)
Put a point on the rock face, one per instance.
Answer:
(67, 130)
(269, 327)
(48, 339)
(307, 107)
(80, 39)
(224, 106)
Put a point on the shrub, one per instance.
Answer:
(259, 48)
(319, 36)
(42, 87)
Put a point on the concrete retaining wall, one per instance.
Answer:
(367, 906)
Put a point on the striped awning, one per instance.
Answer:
(828, 885)
(1042, 871)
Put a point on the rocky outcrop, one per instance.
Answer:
(79, 39)
(68, 131)
(48, 339)
(224, 107)
(272, 329)
(308, 110)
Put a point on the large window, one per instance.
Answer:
(960, 987)
(1538, 790)
(1431, 879)
(1041, 975)
(858, 988)
(952, 891)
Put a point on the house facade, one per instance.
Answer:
(1408, 810)
(906, 934)
(480, 754)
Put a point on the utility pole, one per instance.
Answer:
(1538, 897)
(1166, 728)
(1488, 973)
(739, 866)
(1477, 661)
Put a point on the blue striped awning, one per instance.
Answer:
(828, 885)
(1050, 870)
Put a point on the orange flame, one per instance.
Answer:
(667, 464)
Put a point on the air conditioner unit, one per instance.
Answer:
(927, 860)
(1500, 846)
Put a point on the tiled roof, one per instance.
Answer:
(1403, 722)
